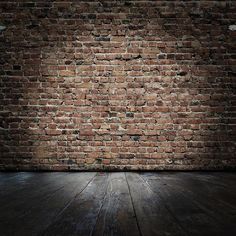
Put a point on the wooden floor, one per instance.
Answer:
(145, 204)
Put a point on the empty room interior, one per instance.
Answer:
(117, 118)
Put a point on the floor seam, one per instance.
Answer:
(92, 232)
(135, 214)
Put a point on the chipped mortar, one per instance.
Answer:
(2, 27)
(232, 27)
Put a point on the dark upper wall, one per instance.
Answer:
(117, 84)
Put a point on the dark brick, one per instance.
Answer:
(135, 137)
(16, 67)
(130, 114)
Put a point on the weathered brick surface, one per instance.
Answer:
(117, 84)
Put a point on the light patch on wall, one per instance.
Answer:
(2, 27)
(232, 27)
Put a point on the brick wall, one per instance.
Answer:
(117, 85)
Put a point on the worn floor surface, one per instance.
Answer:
(132, 204)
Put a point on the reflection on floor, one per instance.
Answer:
(118, 203)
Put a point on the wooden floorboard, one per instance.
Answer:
(152, 215)
(192, 217)
(208, 192)
(39, 213)
(27, 181)
(31, 193)
(203, 195)
(118, 204)
(117, 214)
(80, 217)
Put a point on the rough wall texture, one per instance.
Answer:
(117, 85)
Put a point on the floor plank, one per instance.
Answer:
(202, 195)
(204, 190)
(192, 217)
(13, 181)
(25, 182)
(153, 216)
(8, 175)
(41, 213)
(117, 216)
(218, 179)
(35, 191)
(220, 187)
(79, 218)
